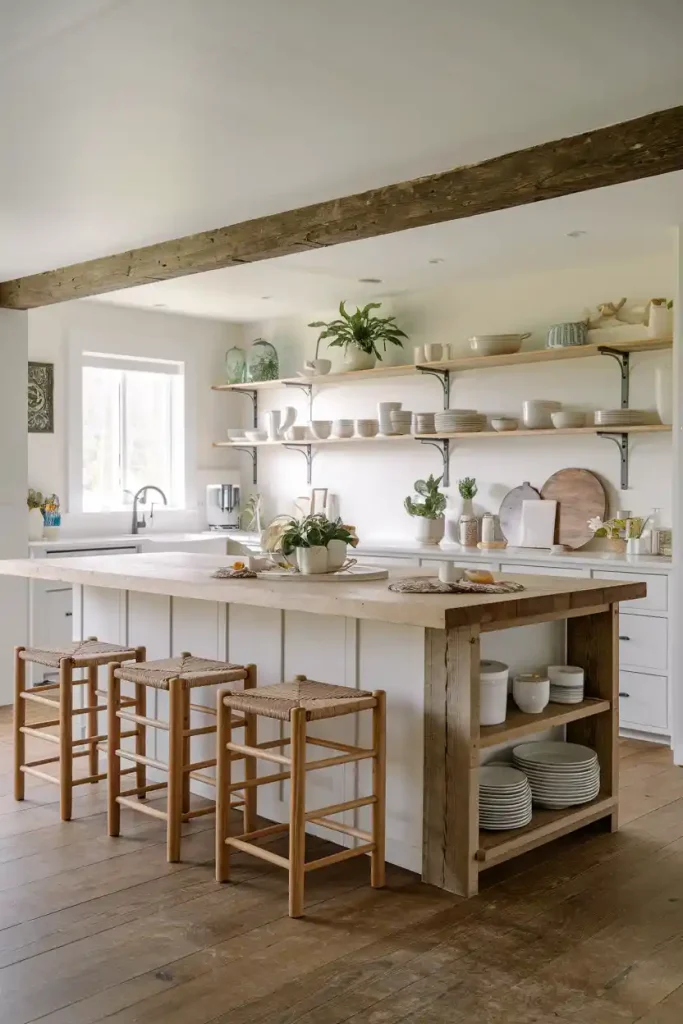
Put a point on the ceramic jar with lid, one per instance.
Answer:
(493, 692)
(468, 531)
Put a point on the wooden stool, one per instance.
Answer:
(177, 676)
(298, 702)
(87, 654)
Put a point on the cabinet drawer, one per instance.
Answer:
(657, 588)
(643, 700)
(388, 561)
(643, 642)
(544, 570)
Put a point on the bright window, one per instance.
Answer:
(133, 430)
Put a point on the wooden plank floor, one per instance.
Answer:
(588, 931)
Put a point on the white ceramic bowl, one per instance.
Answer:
(566, 418)
(503, 423)
(316, 367)
(342, 428)
(536, 413)
(424, 422)
(496, 344)
(531, 692)
(367, 428)
(321, 429)
(235, 434)
(296, 433)
(256, 435)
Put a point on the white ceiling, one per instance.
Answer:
(635, 217)
(124, 122)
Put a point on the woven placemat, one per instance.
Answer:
(422, 585)
(228, 573)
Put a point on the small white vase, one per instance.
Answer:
(660, 323)
(429, 531)
(467, 508)
(354, 359)
(312, 561)
(336, 554)
(664, 392)
(35, 524)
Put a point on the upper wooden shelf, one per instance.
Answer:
(466, 362)
(518, 724)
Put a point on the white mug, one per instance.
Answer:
(433, 352)
(449, 573)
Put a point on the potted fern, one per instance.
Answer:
(360, 334)
(429, 513)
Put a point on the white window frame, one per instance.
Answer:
(154, 352)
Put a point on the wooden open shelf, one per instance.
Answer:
(518, 724)
(378, 439)
(645, 428)
(462, 363)
(496, 847)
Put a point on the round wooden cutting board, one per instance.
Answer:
(580, 496)
(510, 512)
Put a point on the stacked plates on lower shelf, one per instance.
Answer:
(455, 421)
(621, 417)
(566, 684)
(504, 798)
(560, 774)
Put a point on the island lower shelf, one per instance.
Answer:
(517, 724)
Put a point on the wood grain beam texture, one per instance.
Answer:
(641, 148)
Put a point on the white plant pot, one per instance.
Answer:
(429, 531)
(660, 323)
(467, 508)
(312, 561)
(354, 359)
(664, 392)
(35, 524)
(336, 554)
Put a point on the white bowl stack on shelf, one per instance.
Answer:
(457, 421)
(401, 421)
(566, 684)
(504, 798)
(621, 417)
(560, 774)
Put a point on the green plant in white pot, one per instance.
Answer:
(316, 544)
(429, 513)
(360, 334)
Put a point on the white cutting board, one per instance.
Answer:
(537, 528)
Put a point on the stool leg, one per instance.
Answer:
(250, 771)
(113, 760)
(297, 814)
(19, 722)
(175, 770)
(187, 749)
(93, 753)
(141, 737)
(223, 780)
(379, 785)
(66, 765)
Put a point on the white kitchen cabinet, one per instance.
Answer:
(544, 570)
(657, 589)
(643, 642)
(643, 701)
(51, 622)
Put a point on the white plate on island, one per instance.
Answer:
(354, 574)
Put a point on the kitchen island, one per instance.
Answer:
(424, 650)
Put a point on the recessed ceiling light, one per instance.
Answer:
(369, 280)
(576, 234)
(437, 259)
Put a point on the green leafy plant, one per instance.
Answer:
(434, 504)
(251, 514)
(35, 499)
(467, 487)
(314, 531)
(612, 528)
(663, 302)
(361, 330)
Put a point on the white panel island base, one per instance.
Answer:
(424, 650)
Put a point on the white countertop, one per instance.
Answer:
(67, 543)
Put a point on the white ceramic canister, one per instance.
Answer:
(565, 675)
(531, 692)
(493, 692)
(488, 528)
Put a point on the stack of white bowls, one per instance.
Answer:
(423, 423)
(536, 413)
(566, 684)
(455, 421)
(401, 421)
(560, 774)
(504, 798)
(621, 417)
(493, 692)
(384, 411)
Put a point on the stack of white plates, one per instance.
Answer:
(504, 798)
(455, 421)
(566, 684)
(560, 774)
(621, 417)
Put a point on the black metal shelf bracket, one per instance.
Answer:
(254, 458)
(621, 441)
(443, 446)
(254, 401)
(624, 360)
(444, 378)
(307, 389)
(307, 452)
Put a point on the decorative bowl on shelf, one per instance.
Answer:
(316, 367)
(367, 428)
(256, 435)
(566, 418)
(235, 434)
(504, 423)
(321, 429)
(497, 344)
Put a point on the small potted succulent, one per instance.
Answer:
(360, 335)
(35, 501)
(429, 513)
(317, 544)
(467, 488)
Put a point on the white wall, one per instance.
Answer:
(53, 330)
(373, 481)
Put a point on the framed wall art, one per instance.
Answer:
(41, 399)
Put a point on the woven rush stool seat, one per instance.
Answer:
(298, 702)
(178, 677)
(89, 654)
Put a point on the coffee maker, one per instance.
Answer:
(223, 505)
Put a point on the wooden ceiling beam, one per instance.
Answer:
(641, 148)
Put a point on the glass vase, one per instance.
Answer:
(262, 361)
(235, 364)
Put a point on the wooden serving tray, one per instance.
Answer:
(354, 574)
